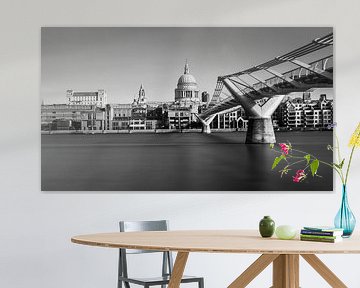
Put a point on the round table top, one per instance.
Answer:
(217, 241)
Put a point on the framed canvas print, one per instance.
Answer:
(186, 108)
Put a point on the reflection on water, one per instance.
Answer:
(174, 162)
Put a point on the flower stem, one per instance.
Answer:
(341, 174)
(323, 162)
(296, 162)
(338, 149)
(348, 167)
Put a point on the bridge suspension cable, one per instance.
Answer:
(289, 77)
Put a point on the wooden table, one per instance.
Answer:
(284, 254)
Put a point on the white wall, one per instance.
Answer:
(35, 227)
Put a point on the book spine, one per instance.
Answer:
(319, 233)
(319, 236)
(318, 239)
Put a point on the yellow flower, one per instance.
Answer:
(355, 138)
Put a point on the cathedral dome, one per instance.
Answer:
(187, 81)
(187, 89)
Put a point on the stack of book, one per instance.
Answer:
(321, 234)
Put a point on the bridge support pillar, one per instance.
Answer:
(206, 123)
(206, 128)
(260, 127)
(260, 131)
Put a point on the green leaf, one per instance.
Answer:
(314, 166)
(272, 146)
(342, 163)
(277, 161)
(307, 157)
(339, 166)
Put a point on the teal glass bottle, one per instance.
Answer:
(267, 227)
(345, 219)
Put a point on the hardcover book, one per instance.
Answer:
(321, 233)
(325, 240)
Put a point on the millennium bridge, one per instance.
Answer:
(259, 90)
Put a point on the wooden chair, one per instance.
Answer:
(167, 262)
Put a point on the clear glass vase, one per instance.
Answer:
(345, 219)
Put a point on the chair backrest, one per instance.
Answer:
(134, 226)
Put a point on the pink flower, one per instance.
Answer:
(300, 175)
(284, 148)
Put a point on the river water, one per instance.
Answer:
(175, 162)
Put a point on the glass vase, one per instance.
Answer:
(345, 219)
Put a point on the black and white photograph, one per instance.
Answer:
(180, 144)
(187, 109)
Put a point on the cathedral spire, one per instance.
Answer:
(142, 97)
(186, 70)
(141, 91)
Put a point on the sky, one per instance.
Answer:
(120, 59)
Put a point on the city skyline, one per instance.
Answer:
(89, 143)
(119, 60)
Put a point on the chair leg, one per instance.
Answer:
(201, 283)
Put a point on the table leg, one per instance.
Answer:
(286, 271)
(253, 270)
(178, 269)
(324, 271)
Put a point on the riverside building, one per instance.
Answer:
(72, 117)
(96, 98)
(119, 116)
(231, 120)
(135, 116)
(305, 112)
(85, 111)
